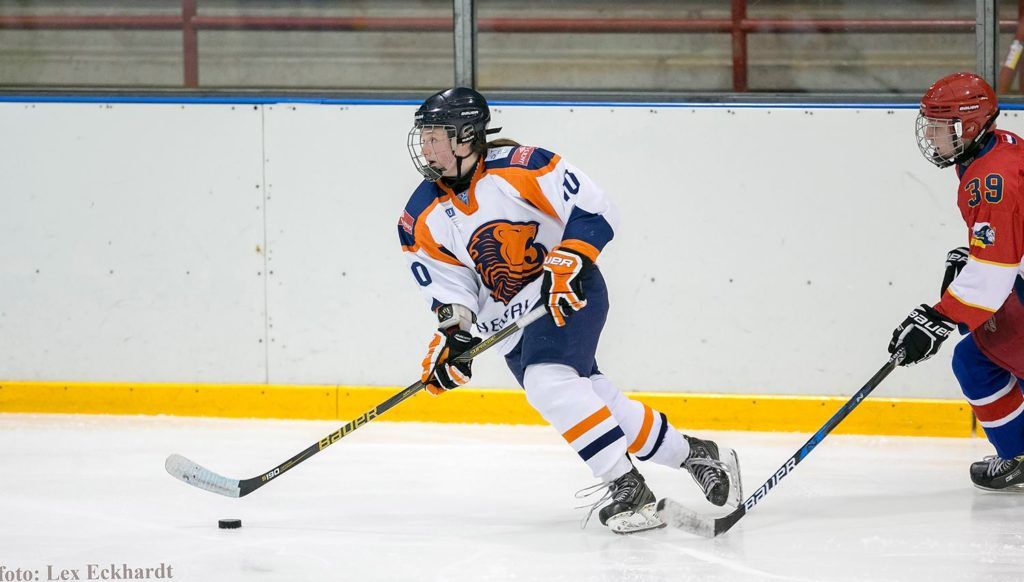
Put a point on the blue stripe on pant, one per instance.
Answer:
(601, 442)
(659, 440)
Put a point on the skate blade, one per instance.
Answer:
(732, 462)
(646, 518)
(1012, 489)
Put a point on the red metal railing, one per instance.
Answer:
(739, 26)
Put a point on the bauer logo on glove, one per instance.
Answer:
(920, 335)
(956, 260)
(561, 288)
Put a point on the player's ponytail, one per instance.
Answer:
(498, 143)
(481, 148)
(502, 142)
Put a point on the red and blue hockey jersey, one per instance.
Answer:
(991, 201)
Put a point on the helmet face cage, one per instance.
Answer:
(940, 140)
(442, 151)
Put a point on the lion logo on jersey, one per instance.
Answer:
(506, 256)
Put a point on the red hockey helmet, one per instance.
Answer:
(956, 116)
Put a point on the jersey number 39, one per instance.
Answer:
(992, 193)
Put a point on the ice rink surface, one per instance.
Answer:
(409, 501)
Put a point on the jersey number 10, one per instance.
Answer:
(570, 185)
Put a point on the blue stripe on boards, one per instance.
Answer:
(197, 100)
(275, 99)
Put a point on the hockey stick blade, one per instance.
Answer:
(681, 517)
(199, 476)
(685, 519)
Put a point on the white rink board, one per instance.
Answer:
(343, 307)
(765, 250)
(128, 243)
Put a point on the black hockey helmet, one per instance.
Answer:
(462, 112)
(461, 108)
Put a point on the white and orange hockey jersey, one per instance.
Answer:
(484, 248)
(991, 201)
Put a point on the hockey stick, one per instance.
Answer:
(678, 516)
(198, 476)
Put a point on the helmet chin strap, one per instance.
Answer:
(458, 166)
(979, 142)
(459, 181)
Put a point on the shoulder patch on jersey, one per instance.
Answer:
(406, 221)
(498, 153)
(522, 156)
(407, 240)
(983, 235)
(529, 157)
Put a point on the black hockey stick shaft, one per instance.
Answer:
(723, 524)
(203, 478)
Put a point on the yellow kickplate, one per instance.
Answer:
(228, 400)
(879, 416)
(888, 416)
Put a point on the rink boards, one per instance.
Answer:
(239, 258)
(875, 416)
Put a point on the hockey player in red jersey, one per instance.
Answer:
(493, 231)
(982, 288)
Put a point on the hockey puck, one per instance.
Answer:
(229, 523)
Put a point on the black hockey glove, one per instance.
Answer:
(920, 334)
(955, 261)
(440, 370)
(561, 289)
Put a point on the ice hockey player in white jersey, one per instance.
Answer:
(496, 229)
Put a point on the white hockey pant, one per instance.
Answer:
(600, 422)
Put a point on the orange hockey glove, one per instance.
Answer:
(440, 370)
(561, 288)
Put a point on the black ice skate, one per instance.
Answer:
(717, 474)
(632, 508)
(997, 474)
